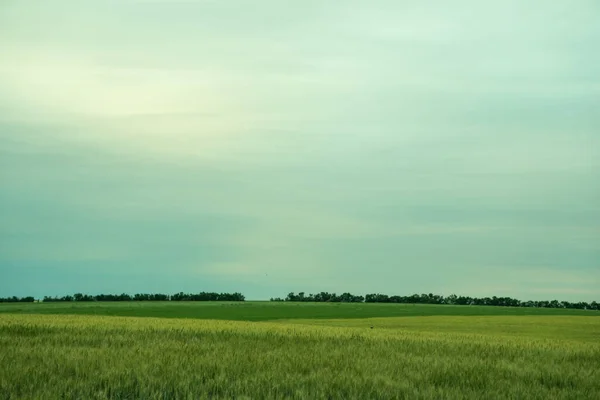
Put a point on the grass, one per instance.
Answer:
(410, 357)
(264, 311)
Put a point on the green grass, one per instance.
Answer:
(536, 327)
(330, 354)
(264, 311)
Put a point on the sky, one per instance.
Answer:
(267, 147)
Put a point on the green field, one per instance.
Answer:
(264, 310)
(260, 350)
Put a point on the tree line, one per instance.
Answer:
(436, 299)
(319, 297)
(322, 297)
(15, 299)
(202, 296)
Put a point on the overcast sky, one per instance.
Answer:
(270, 146)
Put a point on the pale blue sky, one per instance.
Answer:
(268, 147)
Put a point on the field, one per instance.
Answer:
(264, 311)
(305, 351)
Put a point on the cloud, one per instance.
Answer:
(394, 147)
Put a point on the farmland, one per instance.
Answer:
(263, 311)
(273, 350)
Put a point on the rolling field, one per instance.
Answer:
(307, 351)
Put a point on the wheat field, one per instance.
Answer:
(434, 357)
